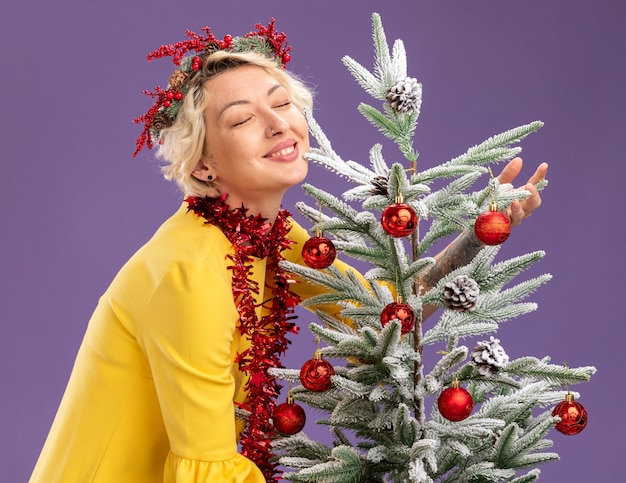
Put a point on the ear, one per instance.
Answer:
(202, 171)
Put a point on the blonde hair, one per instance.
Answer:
(181, 145)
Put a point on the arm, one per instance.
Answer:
(458, 253)
(466, 246)
(187, 332)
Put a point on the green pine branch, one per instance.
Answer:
(343, 466)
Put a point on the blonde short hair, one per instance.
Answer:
(181, 145)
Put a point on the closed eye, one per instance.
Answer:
(241, 123)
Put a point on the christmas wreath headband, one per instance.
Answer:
(266, 40)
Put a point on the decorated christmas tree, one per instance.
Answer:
(469, 415)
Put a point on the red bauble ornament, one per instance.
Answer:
(492, 227)
(169, 95)
(573, 416)
(289, 418)
(399, 219)
(400, 311)
(315, 374)
(318, 251)
(455, 403)
(178, 96)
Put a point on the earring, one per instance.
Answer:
(209, 177)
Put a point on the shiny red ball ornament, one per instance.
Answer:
(455, 403)
(289, 418)
(319, 252)
(178, 96)
(401, 311)
(492, 227)
(399, 219)
(169, 95)
(167, 103)
(315, 374)
(573, 416)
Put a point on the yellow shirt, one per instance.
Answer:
(152, 392)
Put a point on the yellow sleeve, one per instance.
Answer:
(187, 332)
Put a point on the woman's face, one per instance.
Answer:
(255, 140)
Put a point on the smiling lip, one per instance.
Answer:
(284, 151)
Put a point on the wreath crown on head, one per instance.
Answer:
(266, 40)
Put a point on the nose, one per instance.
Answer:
(276, 124)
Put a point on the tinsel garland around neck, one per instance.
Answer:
(251, 236)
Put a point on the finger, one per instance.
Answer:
(533, 202)
(540, 173)
(516, 213)
(510, 171)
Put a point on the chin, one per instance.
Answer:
(300, 173)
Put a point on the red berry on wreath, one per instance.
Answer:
(315, 374)
(401, 311)
(399, 219)
(196, 63)
(573, 416)
(492, 227)
(455, 403)
(318, 251)
(289, 417)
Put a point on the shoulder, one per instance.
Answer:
(183, 240)
(185, 237)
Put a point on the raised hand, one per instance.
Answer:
(518, 210)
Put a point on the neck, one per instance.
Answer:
(267, 207)
(248, 232)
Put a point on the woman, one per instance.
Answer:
(184, 334)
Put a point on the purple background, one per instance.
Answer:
(75, 205)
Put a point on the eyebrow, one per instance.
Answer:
(244, 101)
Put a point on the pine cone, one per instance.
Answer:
(161, 121)
(404, 95)
(489, 357)
(461, 294)
(380, 186)
(178, 78)
(211, 48)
